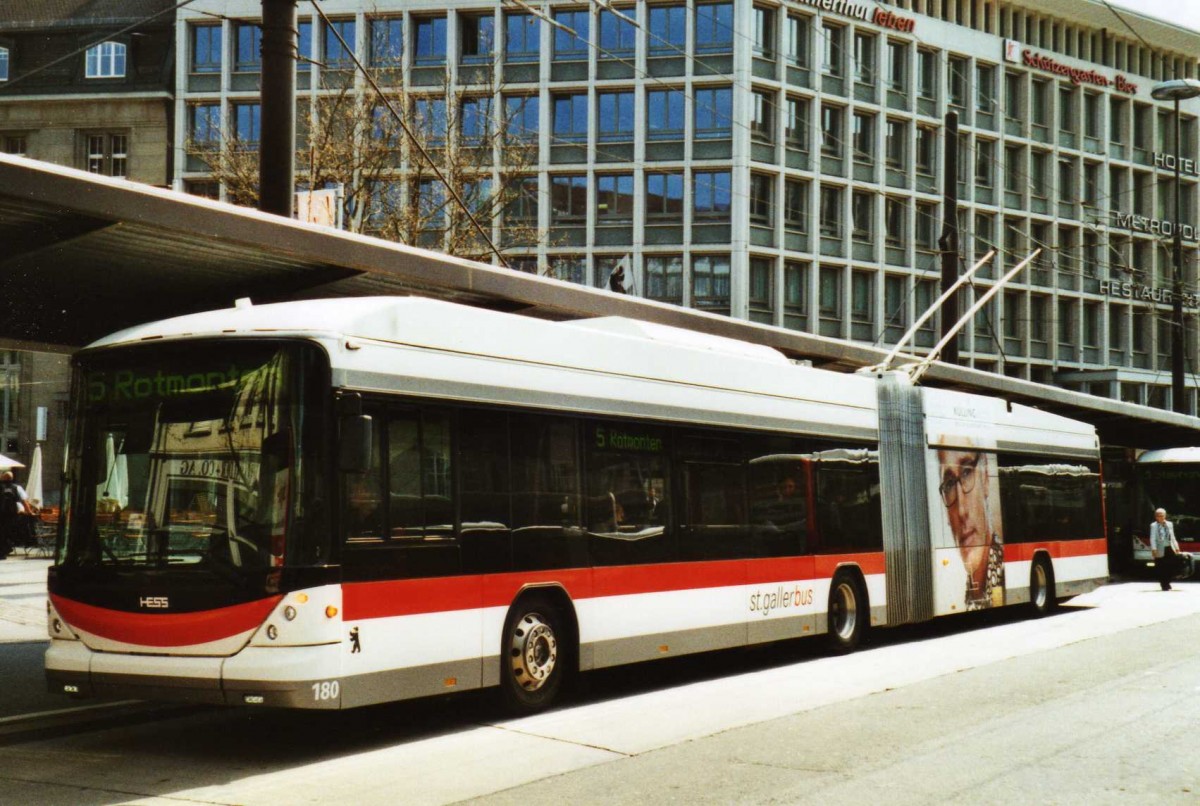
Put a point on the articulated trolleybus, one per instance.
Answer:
(333, 503)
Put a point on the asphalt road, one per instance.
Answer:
(988, 709)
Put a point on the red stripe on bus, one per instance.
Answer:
(165, 629)
(1016, 552)
(367, 600)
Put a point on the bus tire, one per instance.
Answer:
(847, 613)
(535, 654)
(1042, 600)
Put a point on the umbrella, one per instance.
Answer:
(5, 462)
(33, 485)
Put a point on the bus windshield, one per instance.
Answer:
(185, 457)
(1174, 486)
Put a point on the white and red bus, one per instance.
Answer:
(1168, 478)
(334, 503)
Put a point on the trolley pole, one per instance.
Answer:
(948, 241)
(277, 146)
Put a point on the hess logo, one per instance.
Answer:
(157, 602)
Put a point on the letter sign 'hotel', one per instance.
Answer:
(782, 161)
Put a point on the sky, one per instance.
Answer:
(1180, 12)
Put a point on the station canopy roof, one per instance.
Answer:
(87, 255)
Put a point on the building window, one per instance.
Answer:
(956, 81)
(795, 130)
(204, 125)
(829, 293)
(206, 49)
(668, 30)
(1013, 86)
(895, 304)
(863, 137)
(895, 221)
(571, 39)
(14, 144)
(3, 64)
(1066, 109)
(1038, 178)
(431, 204)
(1037, 318)
(1014, 168)
(606, 265)
(304, 46)
(795, 40)
(664, 278)
(985, 88)
(568, 268)
(795, 290)
(614, 198)
(795, 205)
(927, 74)
(429, 120)
(761, 269)
(764, 32)
(985, 234)
(897, 66)
(862, 212)
(248, 38)
(762, 121)
(387, 42)
(832, 129)
(762, 199)
(864, 58)
(985, 163)
(896, 147)
(1066, 180)
(664, 195)
(568, 199)
(106, 60)
(429, 40)
(831, 212)
(834, 38)
(522, 207)
(714, 28)
(618, 36)
(339, 45)
(476, 119)
(571, 118)
(664, 114)
(714, 112)
(1117, 110)
(710, 281)
(1091, 114)
(1039, 104)
(925, 227)
(711, 194)
(522, 37)
(926, 150)
(108, 154)
(614, 123)
(476, 36)
(247, 119)
(521, 115)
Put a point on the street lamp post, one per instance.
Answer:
(1177, 90)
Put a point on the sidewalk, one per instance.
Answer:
(23, 598)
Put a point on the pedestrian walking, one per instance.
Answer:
(1164, 547)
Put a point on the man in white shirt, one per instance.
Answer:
(1164, 547)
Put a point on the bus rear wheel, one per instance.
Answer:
(534, 655)
(847, 613)
(1041, 587)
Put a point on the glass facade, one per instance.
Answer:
(785, 164)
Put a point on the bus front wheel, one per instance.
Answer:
(847, 613)
(534, 655)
